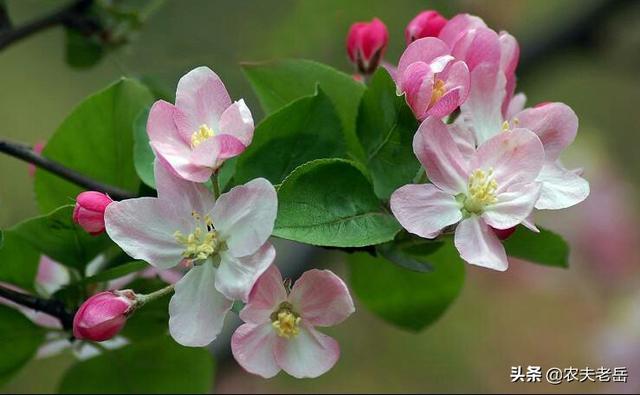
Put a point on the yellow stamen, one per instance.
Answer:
(437, 92)
(285, 322)
(202, 242)
(203, 133)
(481, 190)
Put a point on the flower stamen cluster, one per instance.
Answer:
(285, 321)
(202, 134)
(482, 188)
(203, 242)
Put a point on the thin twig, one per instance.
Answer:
(73, 15)
(54, 308)
(25, 153)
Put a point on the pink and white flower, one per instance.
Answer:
(554, 123)
(203, 129)
(224, 242)
(434, 82)
(279, 325)
(491, 187)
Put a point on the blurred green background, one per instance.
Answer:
(588, 315)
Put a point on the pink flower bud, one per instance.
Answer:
(89, 211)
(425, 24)
(366, 43)
(503, 234)
(103, 315)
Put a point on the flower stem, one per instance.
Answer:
(141, 300)
(216, 184)
(26, 154)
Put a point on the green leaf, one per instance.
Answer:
(58, 237)
(152, 319)
(156, 366)
(545, 248)
(330, 202)
(19, 341)
(82, 51)
(278, 83)
(18, 261)
(385, 128)
(404, 259)
(96, 139)
(116, 272)
(143, 156)
(302, 131)
(408, 299)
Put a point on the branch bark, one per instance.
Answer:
(25, 153)
(54, 308)
(74, 15)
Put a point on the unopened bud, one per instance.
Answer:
(366, 43)
(425, 24)
(89, 211)
(503, 234)
(103, 315)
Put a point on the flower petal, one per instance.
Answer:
(197, 309)
(423, 50)
(166, 141)
(457, 26)
(440, 156)
(516, 157)
(245, 216)
(424, 210)
(479, 245)
(513, 206)
(457, 81)
(516, 105)
(482, 111)
(201, 98)
(561, 188)
(417, 83)
(321, 298)
(309, 354)
(476, 47)
(236, 276)
(237, 121)
(265, 297)
(555, 124)
(253, 348)
(185, 195)
(144, 228)
(509, 58)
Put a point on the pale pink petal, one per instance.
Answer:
(51, 275)
(202, 98)
(424, 210)
(555, 124)
(237, 121)
(478, 46)
(530, 223)
(423, 50)
(166, 141)
(236, 276)
(464, 138)
(245, 216)
(144, 228)
(561, 188)
(417, 84)
(253, 348)
(516, 157)
(457, 26)
(321, 298)
(509, 58)
(185, 196)
(479, 245)
(516, 105)
(206, 156)
(446, 104)
(440, 156)
(229, 145)
(265, 297)
(482, 111)
(197, 309)
(513, 206)
(309, 354)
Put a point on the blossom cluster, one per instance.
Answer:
(490, 164)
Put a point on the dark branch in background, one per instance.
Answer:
(54, 308)
(25, 153)
(75, 16)
(5, 22)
